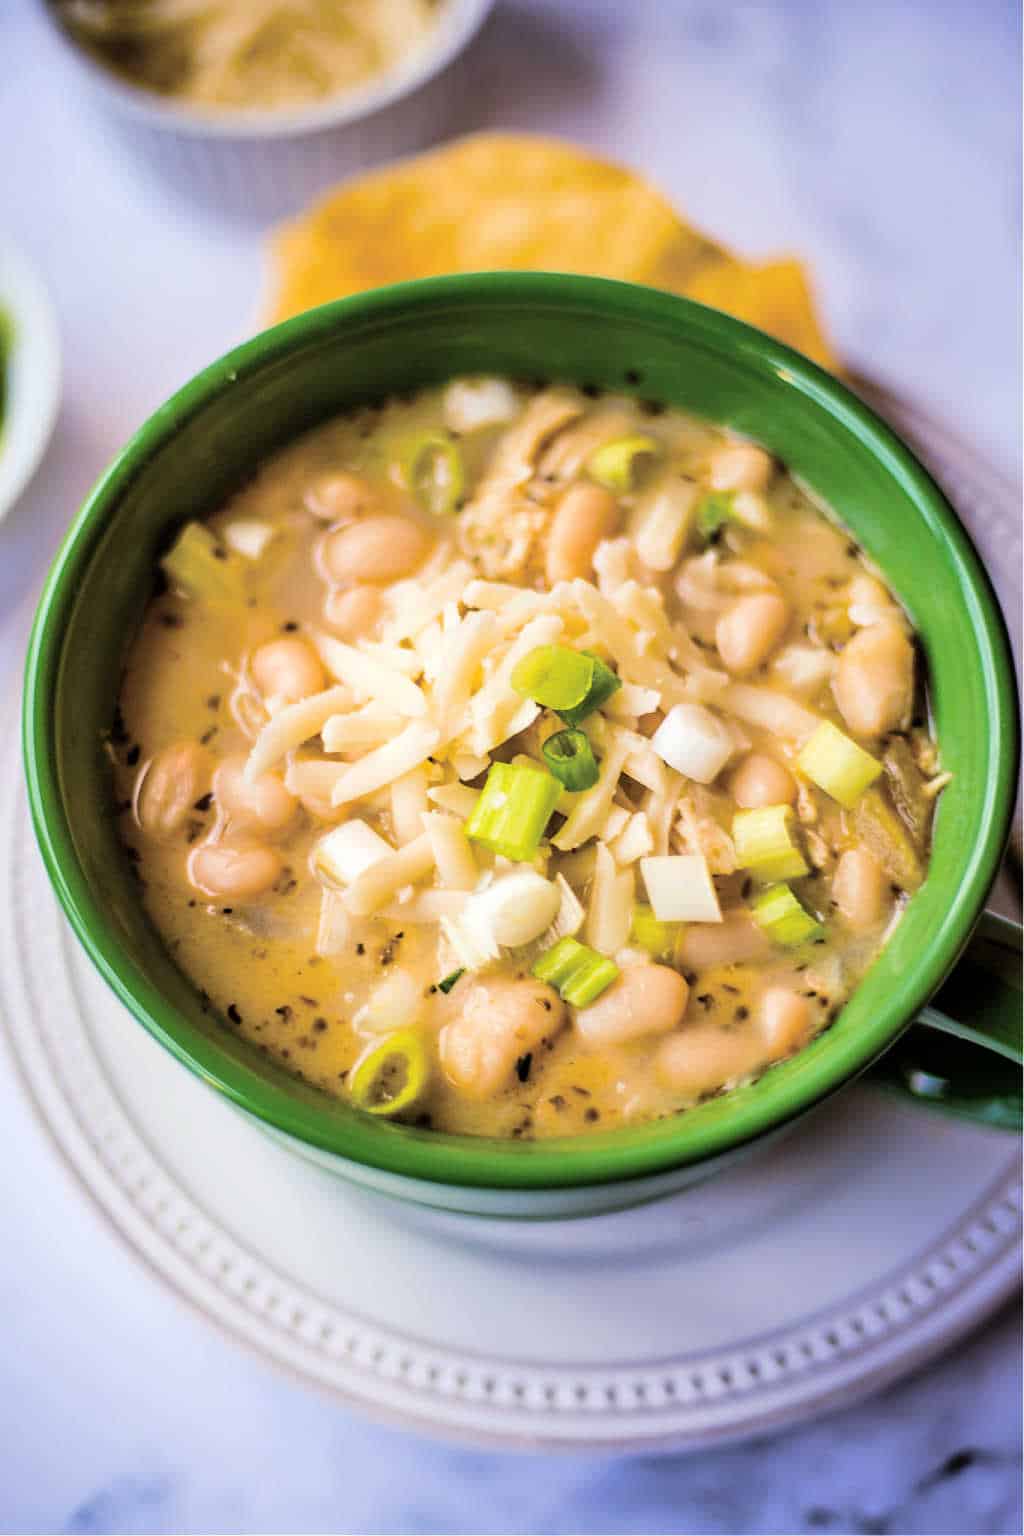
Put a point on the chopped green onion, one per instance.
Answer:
(660, 940)
(782, 918)
(450, 980)
(571, 759)
(514, 807)
(837, 765)
(578, 973)
(572, 683)
(434, 474)
(603, 684)
(613, 465)
(555, 676)
(199, 565)
(391, 1076)
(764, 843)
(713, 510)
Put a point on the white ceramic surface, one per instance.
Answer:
(32, 384)
(804, 1277)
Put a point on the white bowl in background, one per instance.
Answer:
(267, 161)
(31, 374)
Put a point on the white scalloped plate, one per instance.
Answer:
(872, 1237)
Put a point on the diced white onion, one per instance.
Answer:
(517, 908)
(694, 742)
(470, 404)
(248, 537)
(680, 889)
(396, 1003)
(343, 854)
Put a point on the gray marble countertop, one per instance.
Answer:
(877, 140)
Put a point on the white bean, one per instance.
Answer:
(740, 467)
(859, 889)
(750, 629)
(341, 495)
(644, 1000)
(353, 611)
(501, 1020)
(734, 941)
(702, 1058)
(169, 786)
(874, 679)
(287, 670)
(784, 1020)
(379, 549)
(262, 804)
(585, 515)
(760, 780)
(227, 871)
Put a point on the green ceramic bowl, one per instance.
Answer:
(198, 447)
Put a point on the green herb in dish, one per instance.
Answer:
(571, 759)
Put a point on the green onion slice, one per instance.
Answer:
(571, 759)
(434, 474)
(782, 918)
(603, 684)
(578, 973)
(660, 940)
(199, 565)
(764, 843)
(614, 465)
(391, 1076)
(555, 676)
(514, 807)
(572, 683)
(837, 765)
(713, 510)
(449, 981)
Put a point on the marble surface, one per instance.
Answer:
(879, 141)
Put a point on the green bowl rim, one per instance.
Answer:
(626, 1153)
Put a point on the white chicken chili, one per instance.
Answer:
(521, 760)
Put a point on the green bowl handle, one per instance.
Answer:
(968, 1069)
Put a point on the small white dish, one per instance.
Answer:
(256, 164)
(457, 24)
(31, 367)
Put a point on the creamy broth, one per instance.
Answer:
(337, 648)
